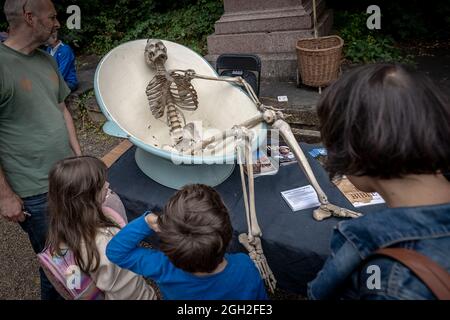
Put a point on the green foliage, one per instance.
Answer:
(104, 25)
(85, 123)
(405, 20)
(407, 25)
(188, 26)
(3, 23)
(364, 45)
(416, 19)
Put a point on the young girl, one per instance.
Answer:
(388, 129)
(80, 226)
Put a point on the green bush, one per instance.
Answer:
(106, 25)
(363, 45)
(405, 20)
(189, 26)
(3, 23)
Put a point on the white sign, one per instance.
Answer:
(301, 198)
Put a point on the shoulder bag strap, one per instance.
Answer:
(436, 278)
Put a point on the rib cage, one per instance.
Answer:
(169, 93)
(183, 93)
(155, 95)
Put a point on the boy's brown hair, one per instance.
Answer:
(195, 229)
(385, 120)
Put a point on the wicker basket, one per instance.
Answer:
(319, 60)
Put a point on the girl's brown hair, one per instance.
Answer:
(75, 208)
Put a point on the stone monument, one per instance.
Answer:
(269, 29)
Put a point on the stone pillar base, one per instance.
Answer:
(270, 30)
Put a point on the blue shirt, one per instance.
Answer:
(346, 273)
(240, 280)
(65, 58)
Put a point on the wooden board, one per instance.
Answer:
(115, 153)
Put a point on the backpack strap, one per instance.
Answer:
(113, 214)
(114, 202)
(435, 277)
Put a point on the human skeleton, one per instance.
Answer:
(172, 90)
(169, 92)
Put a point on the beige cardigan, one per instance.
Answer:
(115, 282)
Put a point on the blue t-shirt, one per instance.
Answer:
(240, 280)
(65, 58)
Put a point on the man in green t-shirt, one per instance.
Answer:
(36, 129)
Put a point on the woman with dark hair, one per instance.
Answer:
(81, 227)
(387, 129)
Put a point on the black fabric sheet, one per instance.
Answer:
(295, 245)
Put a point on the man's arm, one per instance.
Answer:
(10, 203)
(74, 144)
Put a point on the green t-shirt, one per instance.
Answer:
(33, 133)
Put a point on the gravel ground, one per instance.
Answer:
(19, 276)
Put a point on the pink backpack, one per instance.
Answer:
(64, 274)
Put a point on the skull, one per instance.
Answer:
(155, 50)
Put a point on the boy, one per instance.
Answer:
(65, 58)
(194, 232)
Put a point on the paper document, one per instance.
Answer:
(357, 197)
(301, 198)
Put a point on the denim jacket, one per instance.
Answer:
(348, 275)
